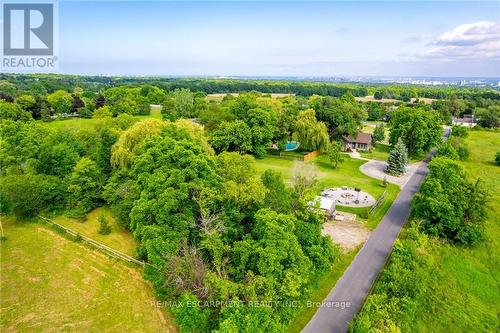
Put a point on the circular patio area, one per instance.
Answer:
(348, 196)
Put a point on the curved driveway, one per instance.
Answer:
(347, 297)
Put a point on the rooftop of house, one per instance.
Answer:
(365, 138)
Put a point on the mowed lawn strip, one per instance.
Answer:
(119, 239)
(52, 284)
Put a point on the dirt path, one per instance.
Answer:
(348, 234)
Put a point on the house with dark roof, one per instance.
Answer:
(363, 141)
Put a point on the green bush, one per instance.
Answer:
(104, 227)
(459, 131)
(28, 194)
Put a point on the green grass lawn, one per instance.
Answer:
(379, 152)
(462, 291)
(85, 123)
(346, 174)
(52, 284)
(464, 296)
(74, 123)
(119, 238)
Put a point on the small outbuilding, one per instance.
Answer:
(363, 141)
(325, 204)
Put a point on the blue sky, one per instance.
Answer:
(280, 38)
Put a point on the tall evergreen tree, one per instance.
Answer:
(398, 159)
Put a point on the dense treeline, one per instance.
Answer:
(51, 83)
(406, 93)
(210, 228)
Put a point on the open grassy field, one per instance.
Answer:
(119, 238)
(459, 287)
(346, 174)
(52, 284)
(85, 123)
(464, 296)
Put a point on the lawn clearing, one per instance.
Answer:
(346, 174)
(379, 152)
(52, 284)
(119, 239)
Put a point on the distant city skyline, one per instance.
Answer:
(445, 39)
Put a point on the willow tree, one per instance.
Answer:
(311, 133)
(123, 150)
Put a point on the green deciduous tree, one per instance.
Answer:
(241, 184)
(334, 153)
(84, 185)
(379, 133)
(61, 101)
(489, 117)
(104, 227)
(459, 131)
(232, 136)
(29, 194)
(420, 130)
(170, 168)
(342, 116)
(12, 111)
(311, 133)
(450, 205)
(102, 112)
(446, 149)
(124, 149)
(179, 104)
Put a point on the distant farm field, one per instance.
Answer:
(391, 100)
(219, 97)
(52, 284)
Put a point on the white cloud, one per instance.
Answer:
(471, 34)
(480, 40)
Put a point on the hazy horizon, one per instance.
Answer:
(289, 39)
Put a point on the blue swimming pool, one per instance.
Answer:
(291, 145)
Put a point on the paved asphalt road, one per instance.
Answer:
(354, 286)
